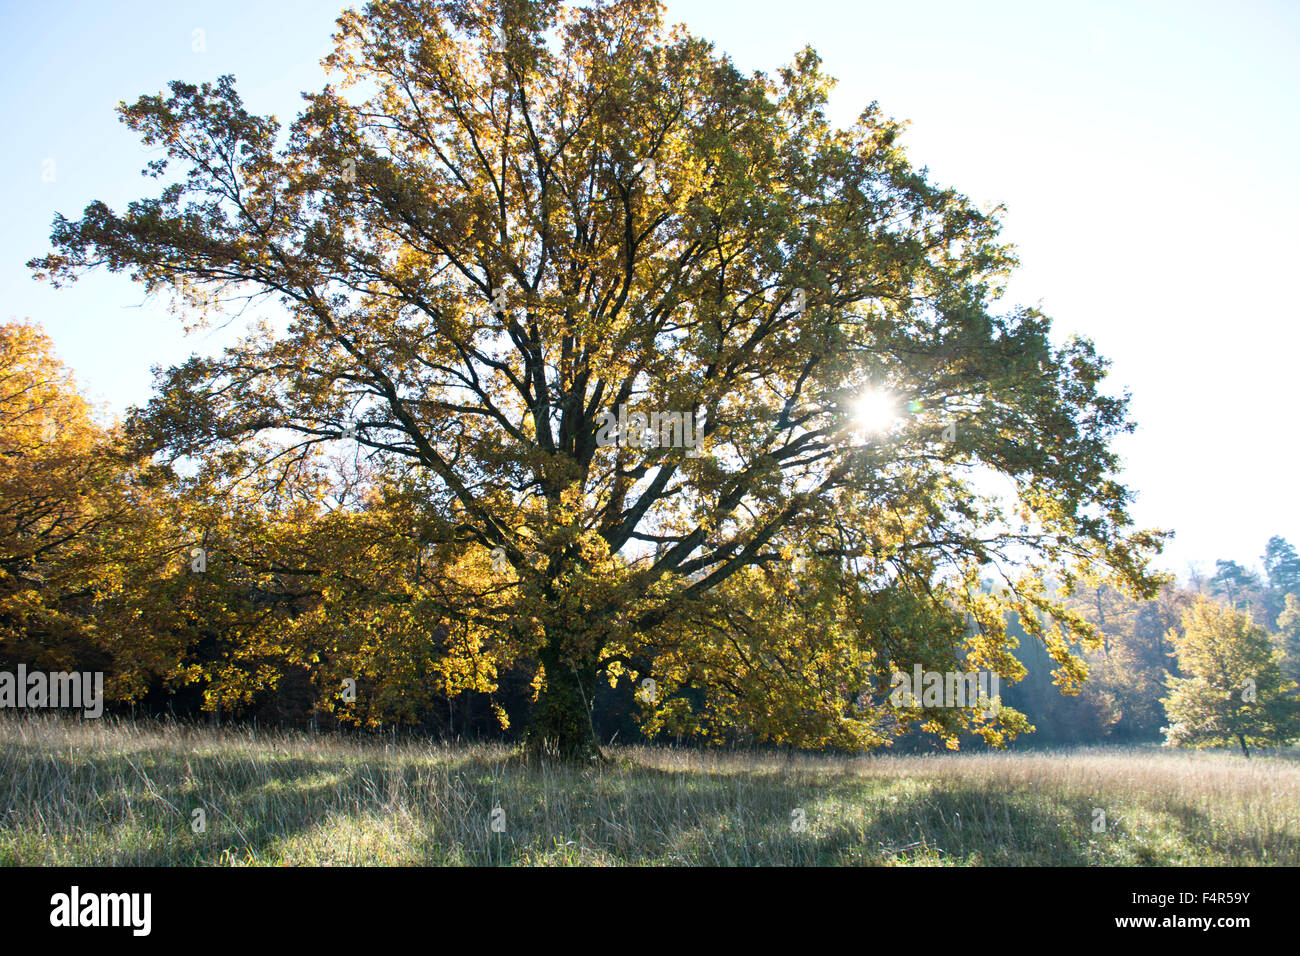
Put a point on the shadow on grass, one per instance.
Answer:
(266, 807)
(250, 801)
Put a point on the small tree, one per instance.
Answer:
(1232, 582)
(1235, 690)
(1282, 565)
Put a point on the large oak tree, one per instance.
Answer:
(513, 218)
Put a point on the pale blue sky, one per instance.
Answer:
(1147, 155)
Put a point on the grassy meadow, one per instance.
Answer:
(112, 793)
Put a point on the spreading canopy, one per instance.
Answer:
(513, 220)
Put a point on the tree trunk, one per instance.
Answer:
(1244, 748)
(561, 723)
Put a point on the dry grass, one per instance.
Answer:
(113, 793)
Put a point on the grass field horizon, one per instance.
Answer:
(114, 792)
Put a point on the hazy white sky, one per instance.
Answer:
(1147, 155)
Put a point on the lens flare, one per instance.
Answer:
(875, 412)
